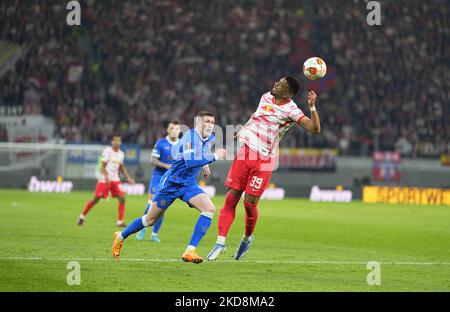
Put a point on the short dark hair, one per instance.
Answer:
(116, 134)
(294, 85)
(205, 114)
(173, 122)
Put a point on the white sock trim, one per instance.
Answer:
(220, 240)
(190, 248)
(144, 222)
(208, 214)
(120, 237)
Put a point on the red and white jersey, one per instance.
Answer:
(265, 128)
(113, 161)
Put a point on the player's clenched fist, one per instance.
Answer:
(221, 153)
(206, 171)
(312, 96)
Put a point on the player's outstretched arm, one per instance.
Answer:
(125, 173)
(193, 154)
(193, 160)
(311, 124)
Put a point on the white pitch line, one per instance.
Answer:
(225, 261)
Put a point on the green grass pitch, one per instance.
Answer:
(299, 246)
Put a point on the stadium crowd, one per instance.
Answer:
(133, 65)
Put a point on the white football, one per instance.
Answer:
(314, 68)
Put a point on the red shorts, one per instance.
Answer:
(103, 189)
(250, 172)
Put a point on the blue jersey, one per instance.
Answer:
(194, 152)
(163, 150)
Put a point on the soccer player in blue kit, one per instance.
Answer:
(180, 181)
(162, 160)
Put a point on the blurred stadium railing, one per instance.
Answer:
(79, 163)
(20, 161)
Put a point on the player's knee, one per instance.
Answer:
(235, 192)
(121, 200)
(251, 199)
(149, 219)
(210, 209)
(251, 209)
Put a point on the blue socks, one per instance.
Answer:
(135, 226)
(201, 227)
(157, 224)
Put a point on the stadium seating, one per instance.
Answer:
(133, 65)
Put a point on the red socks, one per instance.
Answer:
(251, 216)
(227, 213)
(121, 211)
(88, 207)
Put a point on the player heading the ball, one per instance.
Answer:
(253, 164)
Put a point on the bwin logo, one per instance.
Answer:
(318, 195)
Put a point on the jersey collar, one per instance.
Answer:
(273, 101)
(168, 140)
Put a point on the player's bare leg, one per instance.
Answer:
(138, 224)
(88, 207)
(121, 212)
(251, 216)
(226, 218)
(140, 235)
(202, 203)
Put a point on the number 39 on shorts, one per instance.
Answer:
(256, 182)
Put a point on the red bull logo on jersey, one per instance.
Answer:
(268, 109)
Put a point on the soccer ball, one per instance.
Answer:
(314, 68)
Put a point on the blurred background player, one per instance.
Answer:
(253, 164)
(180, 181)
(162, 159)
(109, 181)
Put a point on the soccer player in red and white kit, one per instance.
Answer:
(253, 164)
(109, 181)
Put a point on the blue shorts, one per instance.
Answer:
(167, 193)
(153, 183)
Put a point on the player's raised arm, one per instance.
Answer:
(311, 124)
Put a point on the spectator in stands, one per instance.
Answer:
(135, 64)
